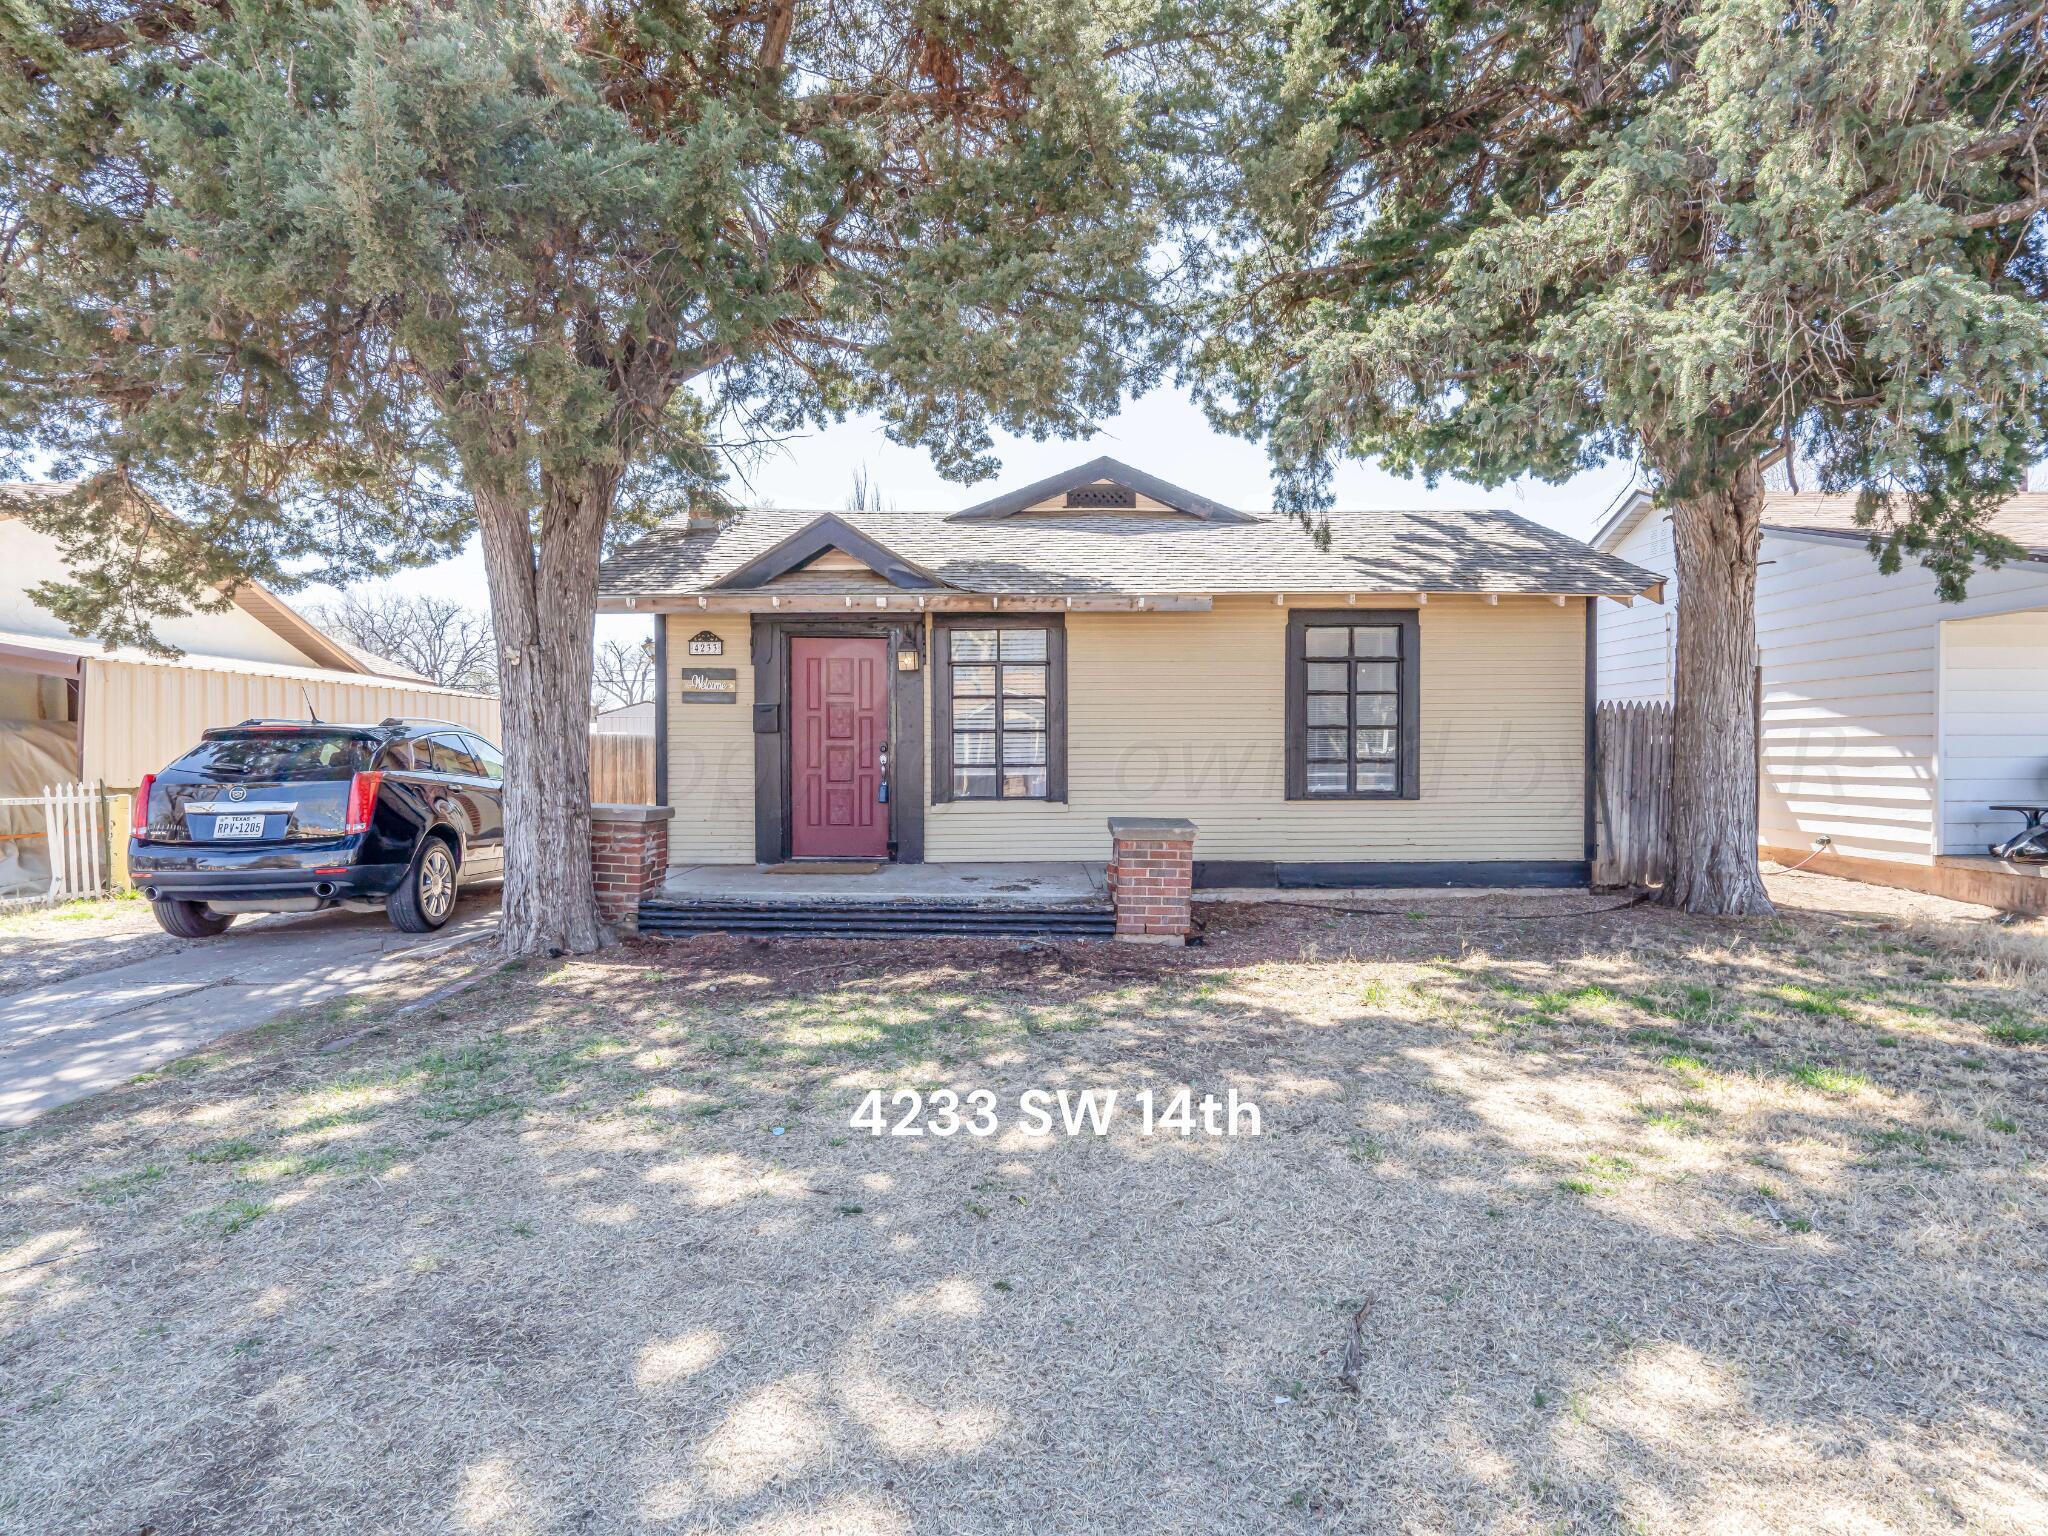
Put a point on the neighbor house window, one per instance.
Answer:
(1352, 688)
(999, 708)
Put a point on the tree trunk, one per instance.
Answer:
(1713, 760)
(544, 603)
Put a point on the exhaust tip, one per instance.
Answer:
(324, 889)
(149, 893)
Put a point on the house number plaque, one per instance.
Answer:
(705, 643)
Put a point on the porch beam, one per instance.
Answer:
(934, 602)
(1018, 602)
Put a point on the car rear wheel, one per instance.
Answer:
(427, 897)
(189, 919)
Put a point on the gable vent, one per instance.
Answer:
(1102, 496)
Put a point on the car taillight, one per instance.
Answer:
(362, 800)
(138, 821)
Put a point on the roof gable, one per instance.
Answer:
(818, 538)
(1090, 487)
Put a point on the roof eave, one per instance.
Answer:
(2034, 554)
(727, 599)
(1621, 522)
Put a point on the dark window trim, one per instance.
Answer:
(1592, 749)
(769, 641)
(1055, 624)
(661, 624)
(1408, 751)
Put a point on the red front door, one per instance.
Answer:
(839, 733)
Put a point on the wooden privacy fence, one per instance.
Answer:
(621, 769)
(1632, 746)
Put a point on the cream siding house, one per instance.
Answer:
(1891, 721)
(1406, 706)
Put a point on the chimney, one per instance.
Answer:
(703, 520)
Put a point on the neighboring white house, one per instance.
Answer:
(72, 709)
(1892, 721)
(625, 720)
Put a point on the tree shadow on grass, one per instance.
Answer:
(545, 1263)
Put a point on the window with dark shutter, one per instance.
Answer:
(1352, 704)
(999, 708)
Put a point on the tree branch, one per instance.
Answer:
(2008, 213)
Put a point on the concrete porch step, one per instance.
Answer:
(877, 920)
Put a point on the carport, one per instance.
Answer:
(40, 745)
(1993, 726)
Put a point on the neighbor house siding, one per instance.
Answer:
(1851, 685)
(1184, 715)
(710, 748)
(1852, 689)
(1635, 646)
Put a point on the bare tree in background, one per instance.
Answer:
(866, 496)
(621, 673)
(445, 641)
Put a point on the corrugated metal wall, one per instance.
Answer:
(139, 716)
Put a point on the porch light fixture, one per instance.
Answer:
(906, 659)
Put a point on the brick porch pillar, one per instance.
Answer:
(1152, 878)
(628, 858)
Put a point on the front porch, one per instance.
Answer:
(994, 885)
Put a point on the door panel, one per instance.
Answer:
(839, 727)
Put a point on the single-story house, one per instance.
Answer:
(72, 710)
(1407, 704)
(1891, 722)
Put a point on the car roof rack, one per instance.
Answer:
(409, 720)
(281, 722)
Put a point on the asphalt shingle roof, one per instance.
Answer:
(1146, 554)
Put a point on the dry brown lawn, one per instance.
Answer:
(1657, 1225)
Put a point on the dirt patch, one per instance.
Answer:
(39, 945)
(1663, 1224)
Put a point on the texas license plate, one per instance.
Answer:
(238, 826)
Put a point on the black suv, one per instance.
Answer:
(296, 815)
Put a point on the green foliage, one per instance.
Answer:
(309, 283)
(1493, 237)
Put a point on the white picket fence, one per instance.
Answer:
(73, 837)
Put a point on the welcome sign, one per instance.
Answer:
(709, 685)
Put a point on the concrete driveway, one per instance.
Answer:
(65, 1036)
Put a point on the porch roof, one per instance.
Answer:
(1108, 554)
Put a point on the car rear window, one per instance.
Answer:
(277, 755)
